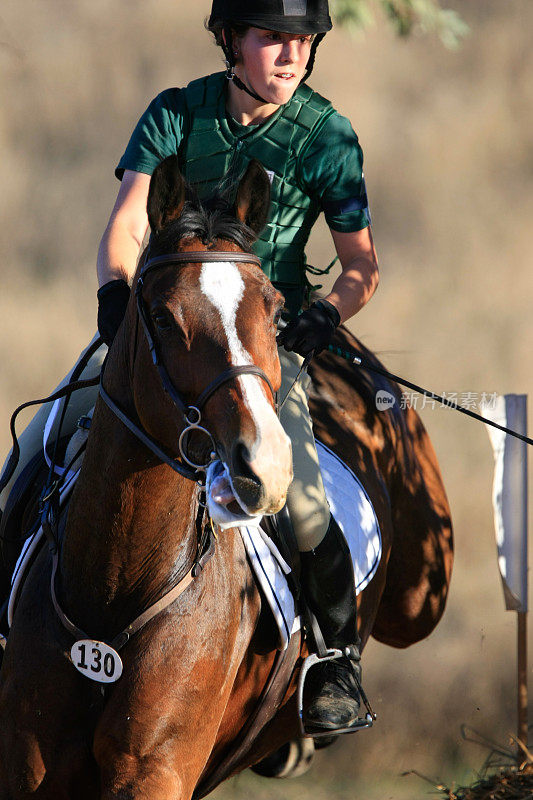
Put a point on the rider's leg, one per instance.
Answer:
(328, 584)
(31, 439)
(306, 498)
(327, 570)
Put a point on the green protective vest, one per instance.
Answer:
(212, 157)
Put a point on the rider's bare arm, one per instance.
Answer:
(127, 226)
(360, 275)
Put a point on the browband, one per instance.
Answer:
(199, 256)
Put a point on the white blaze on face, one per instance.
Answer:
(222, 284)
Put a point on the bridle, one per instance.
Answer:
(191, 413)
(192, 416)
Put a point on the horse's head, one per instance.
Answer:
(208, 317)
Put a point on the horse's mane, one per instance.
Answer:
(208, 221)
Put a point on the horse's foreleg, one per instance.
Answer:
(54, 767)
(45, 713)
(5, 794)
(149, 778)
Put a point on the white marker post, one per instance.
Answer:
(509, 497)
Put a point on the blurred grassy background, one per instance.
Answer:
(448, 142)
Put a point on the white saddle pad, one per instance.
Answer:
(351, 507)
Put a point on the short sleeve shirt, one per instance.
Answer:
(331, 164)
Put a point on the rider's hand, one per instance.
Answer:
(312, 330)
(113, 298)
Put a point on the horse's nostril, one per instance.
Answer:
(246, 483)
(241, 459)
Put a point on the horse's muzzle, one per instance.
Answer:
(225, 507)
(260, 482)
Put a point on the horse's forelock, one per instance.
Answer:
(206, 222)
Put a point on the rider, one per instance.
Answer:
(262, 108)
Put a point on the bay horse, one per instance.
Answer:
(194, 674)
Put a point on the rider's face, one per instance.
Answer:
(272, 63)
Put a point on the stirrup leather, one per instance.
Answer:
(331, 654)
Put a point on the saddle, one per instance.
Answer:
(19, 518)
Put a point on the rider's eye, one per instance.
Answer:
(161, 320)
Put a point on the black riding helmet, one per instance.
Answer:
(285, 16)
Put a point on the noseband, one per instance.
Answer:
(191, 413)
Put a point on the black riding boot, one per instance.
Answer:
(328, 583)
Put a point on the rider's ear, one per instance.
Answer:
(166, 196)
(252, 203)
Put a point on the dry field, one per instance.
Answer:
(448, 141)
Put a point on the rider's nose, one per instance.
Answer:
(289, 52)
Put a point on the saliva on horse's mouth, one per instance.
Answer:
(220, 489)
(223, 501)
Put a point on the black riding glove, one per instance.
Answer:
(312, 330)
(113, 298)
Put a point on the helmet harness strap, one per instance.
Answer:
(311, 63)
(230, 66)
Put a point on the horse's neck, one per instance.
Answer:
(130, 530)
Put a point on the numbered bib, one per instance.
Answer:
(96, 660)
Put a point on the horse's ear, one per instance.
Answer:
(166, 196)
(252, 203)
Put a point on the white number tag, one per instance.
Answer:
(96, 660)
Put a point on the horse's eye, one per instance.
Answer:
(277, 317)
(161, 320)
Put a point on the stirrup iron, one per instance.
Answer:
(331, 654)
